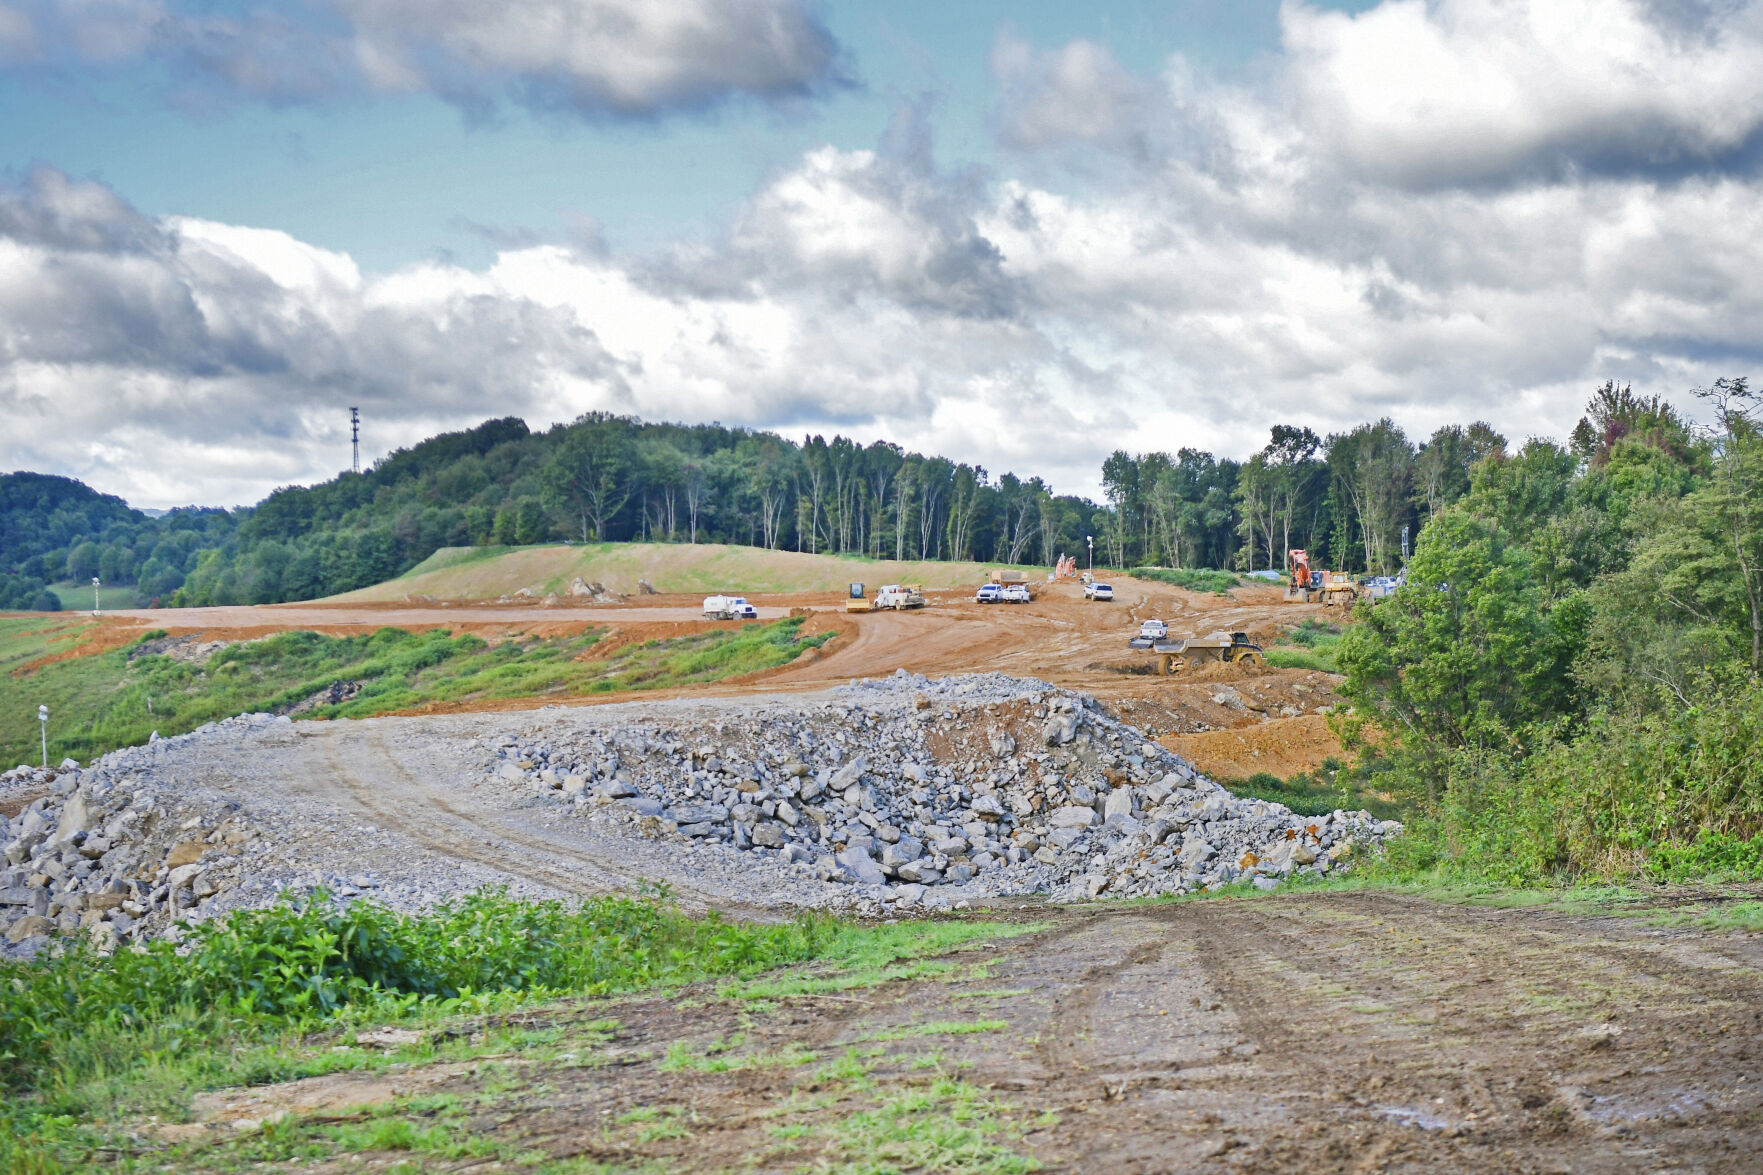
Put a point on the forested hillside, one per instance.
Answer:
(1347, 498)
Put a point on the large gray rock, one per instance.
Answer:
(1073, 816)
(684, 814)
(923, 870)
(767, 835)
(846, 776)
(1118, 803)
(862, 867)
(906, 849)
(1059, 729)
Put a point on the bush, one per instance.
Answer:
(303, 961)
(1672, 794)
(1195, 579)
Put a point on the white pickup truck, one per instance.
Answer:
(729, 608)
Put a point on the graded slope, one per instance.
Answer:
(488, 573)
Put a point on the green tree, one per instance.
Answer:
(589, 473)
(1462, 658)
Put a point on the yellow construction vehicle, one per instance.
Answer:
(1233, 648)
(857, 601)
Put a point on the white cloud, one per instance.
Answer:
(625, 57)
(1077, 93)
(595, 58)
(1246, 266)
(1486, 91)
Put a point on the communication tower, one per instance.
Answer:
(355, 439)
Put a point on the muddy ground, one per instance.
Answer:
(1324, 1032)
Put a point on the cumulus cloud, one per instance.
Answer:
(1473, 91)
(594, 58)
(1242, 262)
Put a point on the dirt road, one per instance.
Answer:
(1060, 638)
(1299, 1033)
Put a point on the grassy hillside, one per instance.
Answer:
(105, 700)
(77, 597)
(476, 573)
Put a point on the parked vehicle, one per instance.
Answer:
(728, 608)
(856, 601)
(1015, 593)
(1098, 591)
(1149, 632)
(988, 593)
(899, 596)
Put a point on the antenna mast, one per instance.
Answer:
(355, 439)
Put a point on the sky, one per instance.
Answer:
(1018, 234)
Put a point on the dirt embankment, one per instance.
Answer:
(1059, 637)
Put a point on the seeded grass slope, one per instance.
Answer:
(106, 700)
(478, 573)
(1194, 579)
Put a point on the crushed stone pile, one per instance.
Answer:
(890, 795)
(976, 786)
(113, 851)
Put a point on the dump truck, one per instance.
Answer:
(856, 601)
(899, 596)
(1173, 655)
(1006, 577)
(728, 608)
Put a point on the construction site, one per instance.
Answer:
(935, 752)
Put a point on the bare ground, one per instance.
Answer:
(1338, 1032)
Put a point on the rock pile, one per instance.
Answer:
(909, 789)
(103, 851)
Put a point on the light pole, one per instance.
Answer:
(1090, 544)
(43, 717)
(95, 604)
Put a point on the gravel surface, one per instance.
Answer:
(890, 795)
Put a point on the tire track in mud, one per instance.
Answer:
(1489, 1039)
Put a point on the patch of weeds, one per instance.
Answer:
(716, 1058)
(947, 1126)
(880, 955)
(936, 1028)
(851, 1069)
(792, 1130)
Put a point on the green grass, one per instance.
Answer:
(77, 597)
(873, 955)
(1319, 792)
(89, 1044)
(1194, 579)
(104, 701)
(936, 1028)
(1311, 644)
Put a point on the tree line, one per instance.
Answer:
(1348, 498)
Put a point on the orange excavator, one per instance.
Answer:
(1328, 587)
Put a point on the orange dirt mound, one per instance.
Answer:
(1279, 746)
